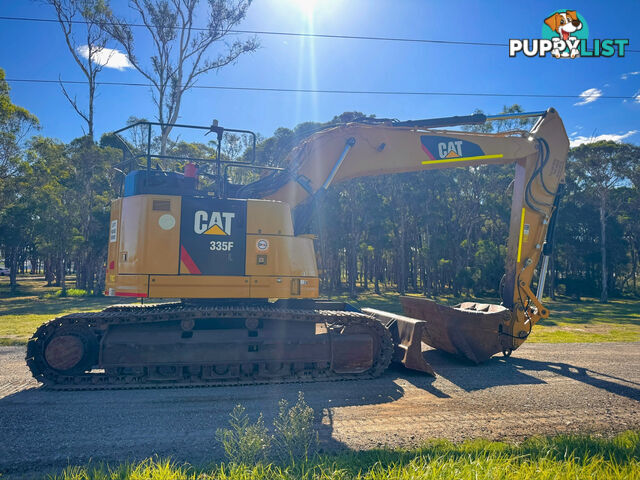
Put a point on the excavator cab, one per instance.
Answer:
(142, 169)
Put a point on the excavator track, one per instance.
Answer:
(73, 352)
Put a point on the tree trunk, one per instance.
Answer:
(48, 271)
(365, 270)
(164, 136)
(62, 277)
(79, 268)
(552, 277)
(92, 93)
(58, 273)
(634, 266)
(376, 271)
(402, 260)
(100, 279)
(13, 270)
(413, 272)
(91, 277)
(34, 265)
(604, 295)
(352, 257)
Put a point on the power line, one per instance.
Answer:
(308, 90)
(299, 34)
(288, 34)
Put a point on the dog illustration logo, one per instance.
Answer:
(565, 34)
(565, 24)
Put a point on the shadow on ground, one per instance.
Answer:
(134, 424)
(501, 371)
(112, 425)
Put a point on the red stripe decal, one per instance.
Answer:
(130, 294)
(426, 150)
(188, 261)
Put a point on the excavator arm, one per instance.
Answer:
(476, 331)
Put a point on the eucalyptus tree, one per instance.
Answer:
(601, 167)
(16, 123)
(80, 22)
(180, 47)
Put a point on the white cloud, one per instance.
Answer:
(576, 141)
(107, 57)
(624, 76)
(590, 95)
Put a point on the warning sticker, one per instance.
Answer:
(113, 232)
(262, 245)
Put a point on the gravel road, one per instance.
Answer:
(541, 389)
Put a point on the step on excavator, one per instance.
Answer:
(240, 282)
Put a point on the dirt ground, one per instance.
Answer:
(541, 389)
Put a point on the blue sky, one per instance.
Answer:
(37, 51)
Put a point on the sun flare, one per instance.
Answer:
(306, 7)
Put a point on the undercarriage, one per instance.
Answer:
(187, 344)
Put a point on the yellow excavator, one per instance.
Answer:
(245, 281)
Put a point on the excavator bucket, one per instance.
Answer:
(470, 330)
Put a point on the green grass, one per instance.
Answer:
(34, 304)
(586, 321)
(561, 457)
(589, 320)
(71, 292)
(570, 321)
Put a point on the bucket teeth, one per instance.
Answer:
(407, 336)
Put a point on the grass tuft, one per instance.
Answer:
(153, 468)
(294, 436)
(244, 442)
(71, 292)
(562, 457)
